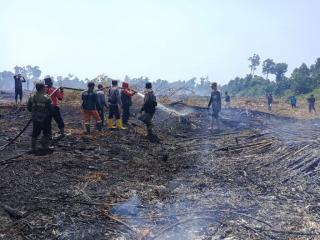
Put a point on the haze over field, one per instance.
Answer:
(167, 39)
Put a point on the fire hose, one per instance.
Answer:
(23, 130)
(30, 120)
(79, 89)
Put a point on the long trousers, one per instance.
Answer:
(18, 93)
(56, 115)
(125, 114)
(114, 112)
(311, 107)
(87, 114)
(101, 114)
(43, 127)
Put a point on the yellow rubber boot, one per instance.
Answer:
(110, 123)
(119, 124)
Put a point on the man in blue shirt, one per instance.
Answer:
(293, 101)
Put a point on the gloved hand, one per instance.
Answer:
(61, 89)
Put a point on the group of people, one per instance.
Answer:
(44, 106)
(94, 105)
(311, 102)
(293, 102)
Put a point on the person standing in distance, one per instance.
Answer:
(18, 80)
(215, 103)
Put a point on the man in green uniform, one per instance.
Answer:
(40, 107)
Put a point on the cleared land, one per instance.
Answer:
(257, 178)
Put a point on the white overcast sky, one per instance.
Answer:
(167, 39)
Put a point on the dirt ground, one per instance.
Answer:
(256, 178)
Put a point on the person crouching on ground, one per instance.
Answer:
(56, 96)
(114, 102)
(40, 106)
(90, 105)
(149, 108)
(215, 102)
(126, 100)
(102, 102)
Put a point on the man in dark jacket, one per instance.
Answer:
(90, 106)
(40, 106)
(149, 107)
(114, 101)
(102, 102)
(215, 102)
(18, 80)
(126, 95)
(311, 103)
(270, 101)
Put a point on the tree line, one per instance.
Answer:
(199, 86)
(303, 79)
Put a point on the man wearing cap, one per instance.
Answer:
(56, 96)
(149, 108)
(90, 106)
(114, 101)
(126, 100)
(40, 106)
(18, 80)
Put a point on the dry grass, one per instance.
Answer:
(280, 106)
(95, 177)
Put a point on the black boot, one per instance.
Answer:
(33, 145)
(45, 145)
(99, 126)
(62, 131)
(87, 128)
(149, 131)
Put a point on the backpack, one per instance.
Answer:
(113, 96)
(37, 114)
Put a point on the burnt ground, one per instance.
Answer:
(257, 178)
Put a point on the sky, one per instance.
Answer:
(166, 39)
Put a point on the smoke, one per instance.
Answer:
(164, 108)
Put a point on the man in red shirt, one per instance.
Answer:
(56, 96)
(126, 95)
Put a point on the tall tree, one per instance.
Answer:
(315, 72)
(279, 70)
(267, 67)
(32, 73)
(300, 80)
(254, 63)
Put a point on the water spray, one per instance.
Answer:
(164, 108)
